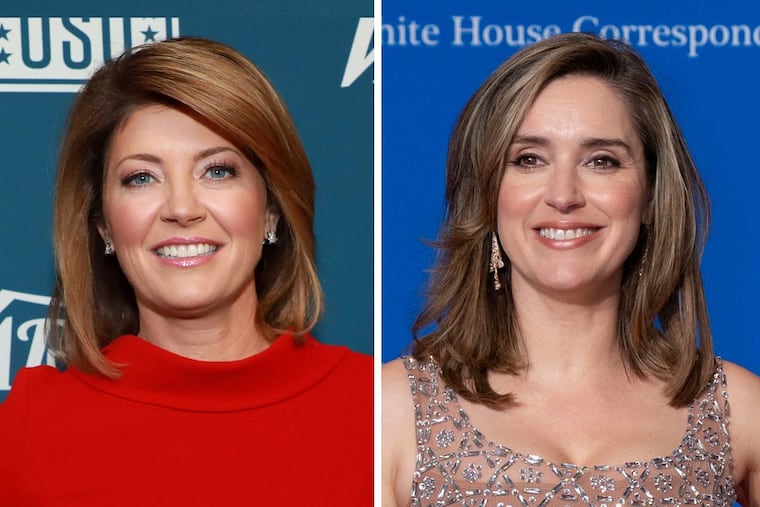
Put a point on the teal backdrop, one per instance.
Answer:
(318, 54)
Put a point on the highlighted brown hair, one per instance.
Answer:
(222, 89)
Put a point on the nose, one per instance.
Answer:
(563, 189)
(181, 204)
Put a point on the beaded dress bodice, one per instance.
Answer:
(457, 465)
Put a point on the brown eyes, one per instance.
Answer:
(604, 163)
(529, 160)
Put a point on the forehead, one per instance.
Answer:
(579, 105)
(156, 128)
(145, 121)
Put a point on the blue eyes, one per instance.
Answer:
(220, 172)
(137, 180)
(214, 173)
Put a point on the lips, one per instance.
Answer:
(559, 234)
(185, 250)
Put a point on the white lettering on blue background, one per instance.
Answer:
(31, 331)
(480, 32)
(55, 54)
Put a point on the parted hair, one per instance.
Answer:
(470, 328)
(93, 302)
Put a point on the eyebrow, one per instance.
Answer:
(592, 142)
(600, 142)
(147, 157)
(214, 150)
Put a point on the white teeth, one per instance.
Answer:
(182, 251)
(563, 234)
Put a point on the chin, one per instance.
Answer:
(186, 309)
(582, 288)
(190, 302)
(564, 280)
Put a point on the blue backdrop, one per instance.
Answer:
(706, 56)
(318, 54)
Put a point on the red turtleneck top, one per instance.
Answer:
(291, 425)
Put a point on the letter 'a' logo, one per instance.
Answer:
(51, 54)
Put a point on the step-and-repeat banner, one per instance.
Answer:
(706, 57)
(319, 56)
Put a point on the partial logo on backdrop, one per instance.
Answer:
(362, 52)
(22, 334)
(57, 54)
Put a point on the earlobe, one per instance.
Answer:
(106, 237)
(270, 228)
(103, 231)
(272, 219)
(647, 213)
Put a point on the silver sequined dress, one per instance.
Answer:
(457, 465)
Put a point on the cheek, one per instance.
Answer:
(514, 202)
(128, 220)
(513, 207)
(242, 213)
(625, 202)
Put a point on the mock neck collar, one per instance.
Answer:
(155, 376)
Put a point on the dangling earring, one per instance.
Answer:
(109, 247)
(271, 237)
(643, 262)
(495, 263)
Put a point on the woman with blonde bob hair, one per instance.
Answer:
(566, 329)
(186, 290)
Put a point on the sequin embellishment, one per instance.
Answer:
(457, 465)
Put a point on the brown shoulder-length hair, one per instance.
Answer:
(662, 320)
(222, 89)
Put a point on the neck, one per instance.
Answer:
(225, 333)
(568, 338)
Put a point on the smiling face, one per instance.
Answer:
(572, 198)
(187, 214)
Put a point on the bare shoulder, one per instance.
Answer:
(744, 401)
(396, 382)
(397, 405)
(743, 392)
(398, 440)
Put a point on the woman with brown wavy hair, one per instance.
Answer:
(565, 355)
(186, 290)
